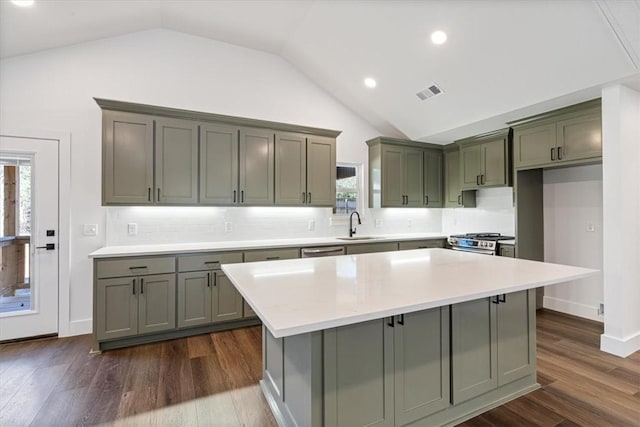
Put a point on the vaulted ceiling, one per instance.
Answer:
(503, 59)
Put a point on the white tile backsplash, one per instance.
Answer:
(158, 224)
(494, 213)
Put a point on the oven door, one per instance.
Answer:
(474, 250)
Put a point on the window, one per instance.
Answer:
(348, 188)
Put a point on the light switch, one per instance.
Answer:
(228, 227)
(90, 229)
(132, 229)
(311, 225)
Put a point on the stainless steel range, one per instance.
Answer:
(481, 243)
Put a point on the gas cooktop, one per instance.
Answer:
(483, 236)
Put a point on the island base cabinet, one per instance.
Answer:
(493, 343)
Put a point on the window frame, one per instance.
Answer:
(359, 167)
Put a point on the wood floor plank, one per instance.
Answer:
(144, 367)
(175, 384)
(217, 409)
(534, 412)
(208, 376)
(251, 407)
(63, 408)
(200, 345)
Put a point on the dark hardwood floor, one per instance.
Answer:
(212, 380)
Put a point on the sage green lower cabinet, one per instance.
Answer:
(508, 251)
(130, 306)
(369, 248)
(227, 302)
(194, 298)
(421, 244)
(492, 342)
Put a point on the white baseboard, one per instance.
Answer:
(573, 308)
(620, 347)
(80, 327)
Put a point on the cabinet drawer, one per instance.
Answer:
(134, 267)
(508, 251)
(207, 261)
(271, 254)
(421, 244)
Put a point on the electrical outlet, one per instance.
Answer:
(591, 228)
(132, 229)
(409, 223)
(90, 229)
(378, 223)
(228, 227)
(601, 309)
(311, 225)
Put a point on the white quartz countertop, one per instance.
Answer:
(162, 249)
(304, 295)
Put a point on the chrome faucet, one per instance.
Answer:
(352, 229)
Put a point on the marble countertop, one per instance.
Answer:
(173, 248)
(304, 295)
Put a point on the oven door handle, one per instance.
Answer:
(474, 251)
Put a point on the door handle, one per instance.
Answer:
(149, 194)
(158, 194)
(304, 197)
(141, 286)
(495, 300)
(391, 321)
(459, 199)
(477, 179)
(133, 287)
(242, 196)
(502, 298)
(309, 198)
(426, 199)
(482, 181)
(215, 279)
(208, 280)
(553, 151)
(48, 246)
(234, 196)
(401, 320)
(559, 153)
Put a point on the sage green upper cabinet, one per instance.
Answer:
(176, 162)
(404, 173)
(568, 136)
(454, 196)
(321, 171)
(485, 160)
(127, 158)
(433, 178)
(218, 164)
(256, 167)
(305, 170)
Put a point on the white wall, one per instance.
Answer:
(572, 206)
(53, 90)
(621, 218)
(494, 213)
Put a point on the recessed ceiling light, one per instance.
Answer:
(370, 82)
(23, 3)
(438, 37)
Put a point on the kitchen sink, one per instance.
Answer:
(358, 238)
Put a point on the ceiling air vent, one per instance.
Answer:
(432, 90)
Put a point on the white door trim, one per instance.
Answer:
(64, 211)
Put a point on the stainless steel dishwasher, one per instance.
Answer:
(324, 251)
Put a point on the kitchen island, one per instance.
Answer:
(422, 337)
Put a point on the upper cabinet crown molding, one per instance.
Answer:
(553, 115)
(131, 107)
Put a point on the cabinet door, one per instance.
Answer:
(471, 157)
(256, 167)
(494, 163)
(157, 303)
(127, 158)
(580, 137)
(321, 171)
(116, 308)
(474, 348)
(226, 300)
(413, 167)
(358, 375)
(218, 165)
(516, 341)
(532, 146)
(422, 374)
(176, 161)
(291, 169)
(453, 195)
(432, 179)
(392, 176)
(194, 298)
